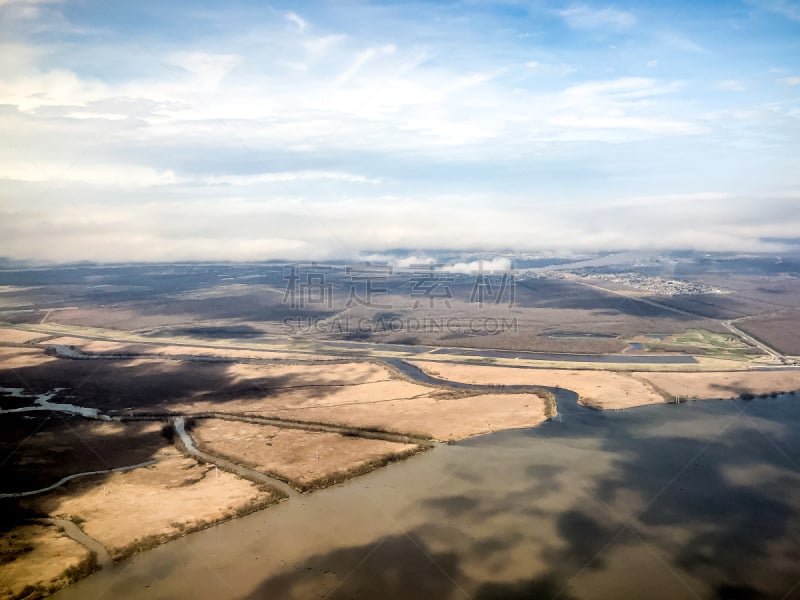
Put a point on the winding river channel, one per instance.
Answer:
(692, 500)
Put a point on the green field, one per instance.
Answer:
(701, 342)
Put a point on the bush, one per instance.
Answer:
(168, 432)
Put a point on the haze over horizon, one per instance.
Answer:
(202, 131)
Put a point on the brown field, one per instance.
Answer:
(435, 415)
(723, 385)
(17, 336)
(763, 292)
(719, 360)
(49, 446)
(126, 319)
(131, 511)
(111, 347)
(177, 312)
(171, 314)
(16, 358)
(171, 350)
(37, 559)
(541, 308)
(134, 510)
(361, 394)
(179, 349)
(749, 295)
(304, 396)
(93, 345)
(306, 459)
(149, 384)
(602, 389)
(781, 330)
(364, 395)
(338, 374)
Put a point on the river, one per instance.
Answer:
(696, 500)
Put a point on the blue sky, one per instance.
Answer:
(247, 130)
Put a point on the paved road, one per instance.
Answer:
(346, 350)
(748, 339)
(757, 343)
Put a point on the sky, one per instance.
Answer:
(158, 131)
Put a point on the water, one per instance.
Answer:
(592, 358)
(697, 500)
(566, 335)
(42, 403)
(661, 359)
(420, 376)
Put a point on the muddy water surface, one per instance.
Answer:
(698, 500)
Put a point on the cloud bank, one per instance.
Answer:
(174, 132)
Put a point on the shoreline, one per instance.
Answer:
(148, 545)
(431, 379)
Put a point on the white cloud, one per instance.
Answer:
(621, 88)
(585, 17)
(285, 177)
(785, 8)
(297, 21)
(360, 60)
(466, 82)
(410, 262)
(27, 9)
(791, 80)
(498, 264)
(163, 228)
(94, 175)
(37, 17)
(616, 105)
(141, 177)
(212, 148)
(208, 69)
(645, 125)
(678, 41)
(731, 85)
(323, 44)
(29, 2)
